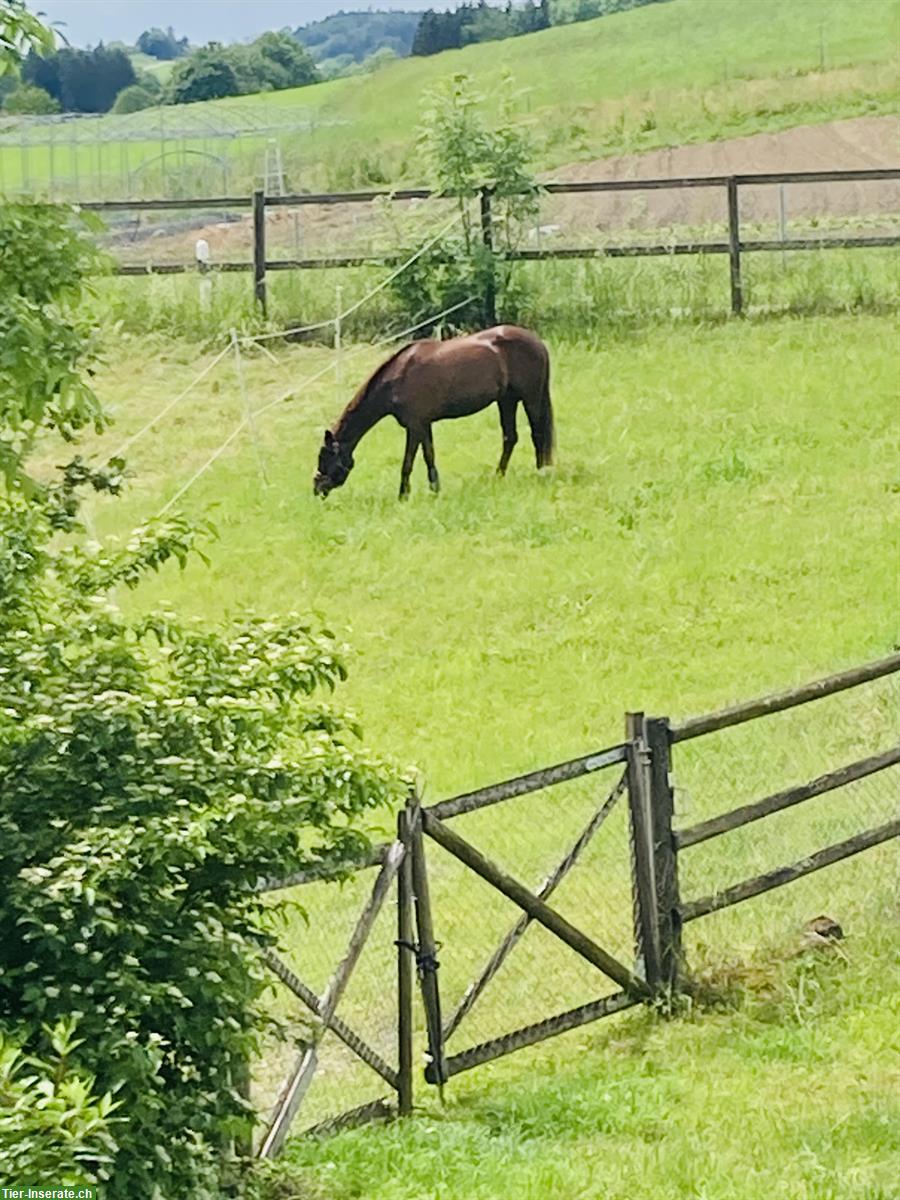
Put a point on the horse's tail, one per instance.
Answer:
(544, 432)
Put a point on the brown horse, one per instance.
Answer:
(429, 381)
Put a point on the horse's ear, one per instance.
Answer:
(329, 438)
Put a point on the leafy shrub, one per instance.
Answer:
(48, 342)
(153, 772)
(133, 99)
(465, 153)
(29, 100)
(52, 1125)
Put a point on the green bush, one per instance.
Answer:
(52, 1124)
(133, 99)
(153, 772)
(28, 100)
(48, 340)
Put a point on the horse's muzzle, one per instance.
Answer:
(321, 486)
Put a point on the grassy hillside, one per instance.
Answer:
(660, 75)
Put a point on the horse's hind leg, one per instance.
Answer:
(510, 437)
(409, 457)
(434, 481)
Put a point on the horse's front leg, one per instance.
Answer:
(412, 445)
(434, 481)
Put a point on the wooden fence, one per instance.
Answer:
(642, 765)
(734, 247)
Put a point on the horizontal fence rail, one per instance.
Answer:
(738, 817)
(779, 701)
(787, 874)
(563, 187)
(521, 785)
(734, 247)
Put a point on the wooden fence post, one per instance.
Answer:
(734, 248)
(426, 959)
(665, 859)
(405, 952)
(487, 237)
(259, 248)
(646, 909)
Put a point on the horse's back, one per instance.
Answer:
(526, 358)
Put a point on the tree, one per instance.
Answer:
(465, 152)
(21, 33)
(81, 80)
(289, 63)
(27, 99)
(205, 75)
(162, 44)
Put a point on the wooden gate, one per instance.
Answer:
(421, 824)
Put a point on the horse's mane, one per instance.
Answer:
(366, 388)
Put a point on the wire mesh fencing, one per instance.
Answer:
(500, 969)
(774, 756)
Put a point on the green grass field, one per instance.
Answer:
(722, 521)
(789, 1090)
(688, 70)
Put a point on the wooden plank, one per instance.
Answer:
(374, 857)
(351, 1039)
(539, 1032)
(259, 248)
(739, 713)
(787, 874)
(528, 902)
(426, 958)
(738, 817)
(341, 977)
(734, 248)
(643, 879)
(238, 202)
(405, 936)
(534, 781)
(374, 1110)
(665, 858)
(300, 1078)
(299, 199)
(544, 892)
(565, 252)
(559, 188)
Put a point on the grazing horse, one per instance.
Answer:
(429, 381)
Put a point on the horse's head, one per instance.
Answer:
(335, 464)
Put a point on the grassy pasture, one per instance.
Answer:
(722, 520)
(689, 70)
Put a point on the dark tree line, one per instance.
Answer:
(469, 23)
(479, 22)
(86, 81)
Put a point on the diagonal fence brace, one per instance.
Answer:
(297, 1083)
(546, 890)
(529, 903)
(340, 1028)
